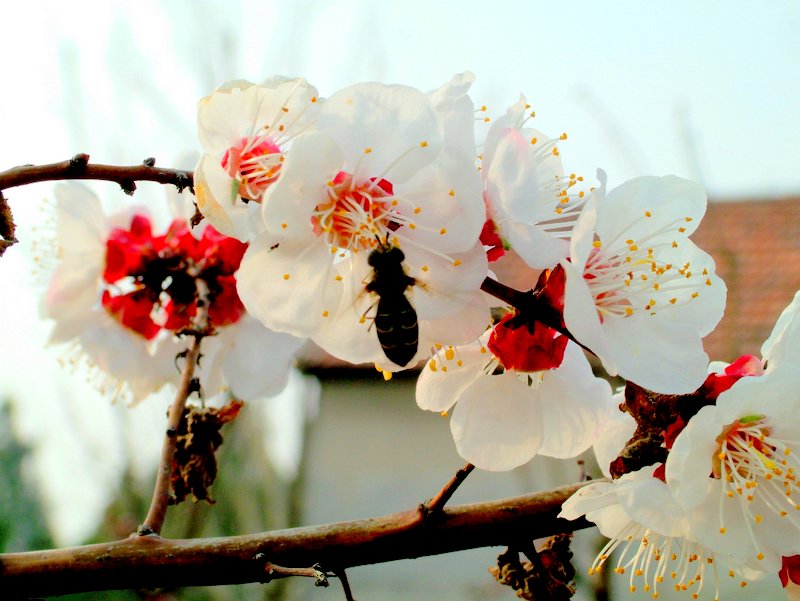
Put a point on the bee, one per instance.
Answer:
(395, 318)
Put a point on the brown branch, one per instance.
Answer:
(148, 562)
(436, 504)
(79, 167)
(161, 492)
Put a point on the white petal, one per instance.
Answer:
(670, 201)
(256, 360)
(580, 316)
(783, 343)
(438, 390)
(495, 425)
(289, 284)
(449, 213)
(660, 355)
(457, 112)
(289, 203)
(689, 462)
(463, 326)
(81, 228)
(218, 200)
(575, 405)
(613, 437)
(445, 283)
(398, 124)
(649, 502)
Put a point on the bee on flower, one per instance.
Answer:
(385, 167)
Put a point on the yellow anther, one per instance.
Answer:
(597, 244)
(285, 276)
(534, 140)
(325, 313)
(452, 192)
(423, 144)
(367, 150)
(284, 226)
(450, 353)
(443, 231)
(648, 214)
(456, 263)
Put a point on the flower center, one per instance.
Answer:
(357, 215)
(254, 163)
(150, 282)
(627, 277)
(751, 462)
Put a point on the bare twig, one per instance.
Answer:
(79, 167)
(273, 571)
(161, 492)
(342, 576)
(435, 505)
(147, 562)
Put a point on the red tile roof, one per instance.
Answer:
(756, 246)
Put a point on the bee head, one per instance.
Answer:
(385, 255)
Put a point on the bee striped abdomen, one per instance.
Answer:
(395, 317)
(398, 331)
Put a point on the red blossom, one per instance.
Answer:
(491, 237)
(163, 272)
(790, 570)
(526, 346)
(133, 311)
(746, 365)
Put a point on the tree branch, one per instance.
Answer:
(161, 492)
(79, 167)
(148, 562)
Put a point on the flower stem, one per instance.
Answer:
(161, 492)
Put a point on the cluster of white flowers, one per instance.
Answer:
(728, 490)
(367, 222)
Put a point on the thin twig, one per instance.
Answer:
(342, 576)
(150, 562)
(320, 577)
(79, 167)
(436, 504)
(161, 492)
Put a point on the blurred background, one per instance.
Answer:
(707, 91)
